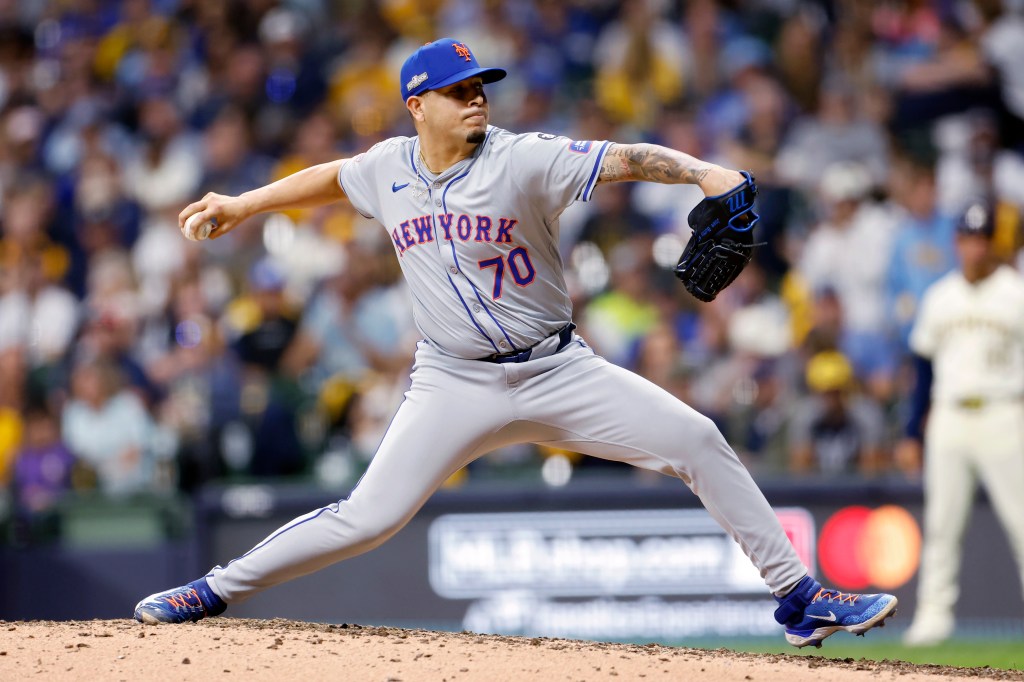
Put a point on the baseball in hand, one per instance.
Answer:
(198, 233)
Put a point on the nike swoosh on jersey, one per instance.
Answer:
(831, 617)
(395, 186)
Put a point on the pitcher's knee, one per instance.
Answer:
(703, 442)
(706, 438)
(368, 529)
(387, 527)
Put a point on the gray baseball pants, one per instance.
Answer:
(458, 410)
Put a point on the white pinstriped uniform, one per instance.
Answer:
(974, 336)
(478, 247)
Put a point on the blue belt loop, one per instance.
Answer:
(564, 337)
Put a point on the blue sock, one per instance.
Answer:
(213, 604)
(791, 607)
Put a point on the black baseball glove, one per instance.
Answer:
(722, 241)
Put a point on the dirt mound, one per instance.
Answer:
(280, 649)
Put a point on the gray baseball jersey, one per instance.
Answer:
(477, 244)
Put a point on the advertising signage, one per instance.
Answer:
(611, 574)
(608, 566)
(569, 554)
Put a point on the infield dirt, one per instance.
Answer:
(231, 648)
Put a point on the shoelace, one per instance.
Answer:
(835, 595)
(186, 600)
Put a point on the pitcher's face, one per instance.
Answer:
(459, 110)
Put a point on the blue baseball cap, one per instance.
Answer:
(441, 63)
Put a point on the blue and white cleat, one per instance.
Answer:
(184, 604)
(811, 612)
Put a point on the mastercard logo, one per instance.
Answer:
(859, 547)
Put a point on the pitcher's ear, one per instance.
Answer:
(415, 107)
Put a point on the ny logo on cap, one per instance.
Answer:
(462, 51)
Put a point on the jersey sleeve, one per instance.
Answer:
(924, 334)
(360, 179)
(557, 170)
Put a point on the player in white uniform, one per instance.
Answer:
(473, 211)
(971, 330)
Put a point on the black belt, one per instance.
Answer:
(564, 337)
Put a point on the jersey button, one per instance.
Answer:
(476, 308)
(437, 202)
(502, 344)
(454, 270)
(437, 185)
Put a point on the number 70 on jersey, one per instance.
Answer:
(518, 265)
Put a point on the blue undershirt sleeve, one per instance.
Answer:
(920, 398)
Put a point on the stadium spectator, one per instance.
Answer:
(165, 169)
(641, 62)
(108, 428)
(617, 318)
(103, 217)
(268, 319)
(836, 431)
(44, 466)
(614, 220)
(665, 205)
(112, 114)
(230, 162)
(354, 325)
(12, 423)
(922, 248)
(746, 64)
(835, 133)
(848, 252)
(35, 315)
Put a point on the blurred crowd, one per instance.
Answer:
(133, 361)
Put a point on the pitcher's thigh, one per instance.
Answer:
(615, 414)
(423, 446)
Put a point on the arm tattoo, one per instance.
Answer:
(653, 163)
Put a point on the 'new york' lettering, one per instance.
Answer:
(451, 226)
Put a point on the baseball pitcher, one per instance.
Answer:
(472, 212)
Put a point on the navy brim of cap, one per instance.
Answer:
(488, 75)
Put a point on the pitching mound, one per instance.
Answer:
(222, 648)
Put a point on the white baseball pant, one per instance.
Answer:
(963, 447)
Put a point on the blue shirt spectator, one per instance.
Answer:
(922, 248)
(922, 253)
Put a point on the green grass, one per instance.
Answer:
(963, 653)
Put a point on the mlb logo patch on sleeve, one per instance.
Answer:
(581, 146)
